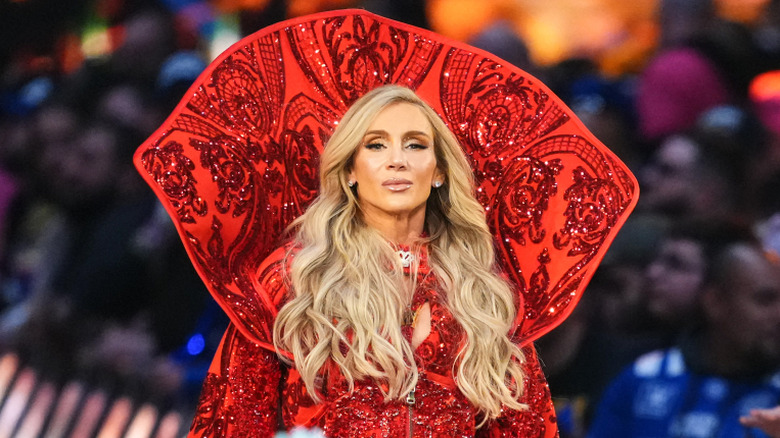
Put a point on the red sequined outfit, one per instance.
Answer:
(237, 161)
(246, 385)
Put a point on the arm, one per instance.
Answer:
(240, 396)
(539, 420)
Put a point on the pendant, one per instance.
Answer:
(406, 258)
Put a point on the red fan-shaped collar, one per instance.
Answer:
(237, 159)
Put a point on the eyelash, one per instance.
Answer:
(376, 146)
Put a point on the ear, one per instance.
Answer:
(438, 176)
(351, 176)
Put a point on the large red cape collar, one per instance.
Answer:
(237, 159)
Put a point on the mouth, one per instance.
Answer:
(397, 184)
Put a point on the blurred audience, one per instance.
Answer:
(715, 374)
(91, 266)
(679, 82)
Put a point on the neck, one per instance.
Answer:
(724, 358)
(397, 228)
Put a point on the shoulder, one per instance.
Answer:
(659, 364)
(656, 371)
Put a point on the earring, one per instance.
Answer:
(437, 184)
(351, 183)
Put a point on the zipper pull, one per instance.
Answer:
(410, 400)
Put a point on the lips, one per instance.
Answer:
(397, 184)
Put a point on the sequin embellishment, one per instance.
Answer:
(246, 384)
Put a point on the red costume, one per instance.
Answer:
(237, 161)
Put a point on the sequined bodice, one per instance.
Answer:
(441, 411)
(436, 353)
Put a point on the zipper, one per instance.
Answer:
(410, 401)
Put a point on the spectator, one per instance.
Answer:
(501, 39)
(674, 279)
(688, 179)
(36, 231)
(704, 384)
(679, 82)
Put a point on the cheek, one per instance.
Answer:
(429, 167)
(364, 168)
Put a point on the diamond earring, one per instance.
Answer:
(351, 183)
(437, 184)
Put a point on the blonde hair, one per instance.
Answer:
(347, 305)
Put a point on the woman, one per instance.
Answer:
(386, 314)
(392, 319)
(393, 254)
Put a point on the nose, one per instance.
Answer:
(653, 270)
(397, 159)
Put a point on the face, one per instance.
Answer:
(669, 179)
(86, 170)
(752, 304)
(674, 279)
(394, 167)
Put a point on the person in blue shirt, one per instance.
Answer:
(722, 371)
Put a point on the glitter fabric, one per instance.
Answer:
(245, 387)
(237, 161)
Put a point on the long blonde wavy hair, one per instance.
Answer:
(348, 303)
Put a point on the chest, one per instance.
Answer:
(440, 409)
(432, 330)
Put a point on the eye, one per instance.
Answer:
(766, 297)
(374, 146)
(417, 146)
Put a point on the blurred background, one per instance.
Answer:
(106, 330)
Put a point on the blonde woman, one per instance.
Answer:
(391, 318)
(422, 261)
(391, 289)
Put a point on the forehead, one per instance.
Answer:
(678, 151)
(754, 271)
(401, 117)
(688, 249)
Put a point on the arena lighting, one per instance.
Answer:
(765, 86)
(607, 30)
(99, 40)
(764, 93)
(553, 30)
(225, 32)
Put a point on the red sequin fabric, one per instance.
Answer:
(237, 160)
(246, 387)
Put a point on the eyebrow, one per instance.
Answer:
(406, 135)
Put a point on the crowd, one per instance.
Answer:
(95, 285)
